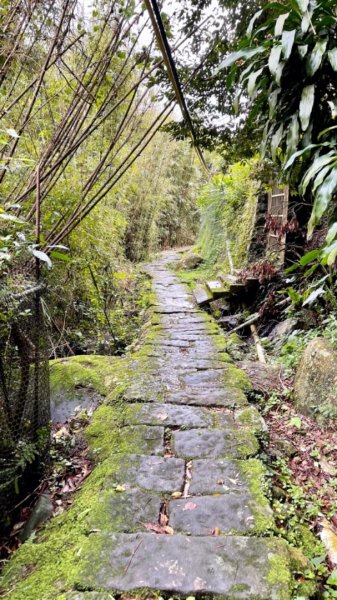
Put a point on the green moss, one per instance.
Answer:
(69, 374)
(254, 473)
(246, 443)
(279, 574)
(250, 417)
(235, 377)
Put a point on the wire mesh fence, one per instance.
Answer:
(24, 392)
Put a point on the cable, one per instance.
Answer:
(164, 46)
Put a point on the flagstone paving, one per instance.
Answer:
(176, 505)
(195, 475)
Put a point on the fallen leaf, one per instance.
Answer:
(190, 506)
(158, 528)
(216, 531)
(163, 519)
(176, 494)
(168, 530)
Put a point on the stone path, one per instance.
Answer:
(194, 474)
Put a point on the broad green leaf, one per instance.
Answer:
(275, 141)
(293, 135)
(7, 217)
(314, 168)
(332, 54)
(320, 177)
(288, 38)
(322, 199)
(42, 256)
(274, 62)
(313, 296)
(280, 24)
(302, 5)
(252, 81)
(297, 154)
(327, 130)
(252, 22)
(239, 55)
(314, 59)
(306, 105)
(309, 257)
(302, 50)
(331, 233)
(305, 24)
(327, 250)
(272, 100)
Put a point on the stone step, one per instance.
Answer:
(217, 289)
(202, 295)
(230, 567)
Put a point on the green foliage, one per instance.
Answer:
(227, 206)
(286, 64)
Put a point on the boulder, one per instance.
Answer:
(281, 331)
(190, 261)
(41, 512)
(316, 379)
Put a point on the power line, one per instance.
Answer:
(164, 46)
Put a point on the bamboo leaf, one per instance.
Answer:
(306, 105)
(314, 59)
(305, 24)
(297, 154)
(309, 257)
(288, 38)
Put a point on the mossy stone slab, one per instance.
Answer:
(169, 415)
(233, 567)
(218, 443)
(144, 439)
(224, 397)
(152, 473)
(126, 511)
(218, 476)
(201, 515)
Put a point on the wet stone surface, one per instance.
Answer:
(196, 443)
(235, 568)
(208, 514)
(191, 431)
(171, 415)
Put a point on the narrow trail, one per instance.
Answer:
(194, 474)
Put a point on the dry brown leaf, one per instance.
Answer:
(168, 530)
(216, 531)
(158, 528)
(163, 519)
